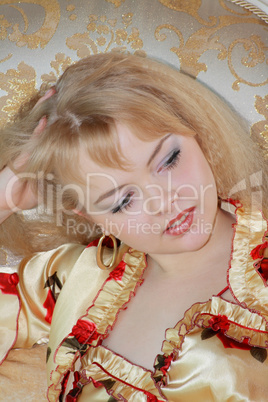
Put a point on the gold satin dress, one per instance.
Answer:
(216, 352)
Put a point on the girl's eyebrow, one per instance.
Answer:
(108, 194)
(157, 148)
(155, 152)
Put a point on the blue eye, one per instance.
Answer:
(125, 204)
(172, 161)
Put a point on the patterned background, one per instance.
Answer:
(222, 43)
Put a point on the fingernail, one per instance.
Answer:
(51, 91)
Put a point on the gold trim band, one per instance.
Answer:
(251, 7)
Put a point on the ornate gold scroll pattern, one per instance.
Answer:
(206, 38)
(4, 24)
(256, 55)
(24, 16)
(60, 63)
(189, 7)
(71, 8)
(19, 85)
(116, 3)
(104, 34)
(6, 58)
(191, 50)
(261, 127)
(224, 4)
(44, 34)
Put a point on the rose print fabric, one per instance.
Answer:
(216, 352)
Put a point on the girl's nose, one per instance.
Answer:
(159, 201)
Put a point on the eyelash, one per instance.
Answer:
(171, 163)
(125, 204)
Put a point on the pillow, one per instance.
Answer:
(222, 43)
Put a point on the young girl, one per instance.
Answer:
(171, 303)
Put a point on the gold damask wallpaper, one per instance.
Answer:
(221, 42)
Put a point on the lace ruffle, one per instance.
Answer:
(246, 325)
(129, 381)
(243, 324)
(110, 299)
(246, 283)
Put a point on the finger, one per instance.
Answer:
(40, 127)
(23, 157)
(47, 95)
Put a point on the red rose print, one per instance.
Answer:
(49, 306)
(118, 272)
(64, 382)
(8, 283)
(257, 251)
(94, 243)
(85, 331)
(77, 389)
(167, 361)
(219, 322)
(231, 343)
(263, 270)
(96, 384)
(151, 397)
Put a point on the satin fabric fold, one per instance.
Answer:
(216, 352)
(22, 314)
(212, 369)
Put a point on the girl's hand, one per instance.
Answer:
(15, 193)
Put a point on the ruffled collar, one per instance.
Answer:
(245, 283)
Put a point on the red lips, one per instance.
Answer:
(183, 226)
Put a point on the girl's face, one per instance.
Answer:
(166, 203)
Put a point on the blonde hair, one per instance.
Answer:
(149, 97)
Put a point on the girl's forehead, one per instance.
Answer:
(131, 148)
(102, 177)
(134, 142)
(100, 174)
(128, 135)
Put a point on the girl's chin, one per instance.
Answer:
(177, 245)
